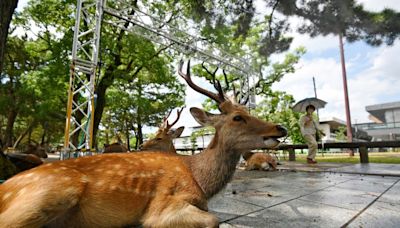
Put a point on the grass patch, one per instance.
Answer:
(381, 157)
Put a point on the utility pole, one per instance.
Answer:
(346, 96)
(315, 94)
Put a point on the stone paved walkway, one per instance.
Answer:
(323, 195)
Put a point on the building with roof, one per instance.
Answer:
(385, 123)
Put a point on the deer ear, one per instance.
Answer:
(202, 117)
(177, 132)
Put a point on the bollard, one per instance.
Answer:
(363, 154)
(292, 155)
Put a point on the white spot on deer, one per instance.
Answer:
(113, 188)
(152, 160)
(161, 171)
(120, 173)
(98, 170)
(100, 183)
(63, 168)
(117, 166)
(109, 172)
(137, 190)
(5, 196)
(143, 175)
(85, 179)
(184, 183)
(177, 168)
(67, 178)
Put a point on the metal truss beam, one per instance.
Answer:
(85, 51)
(81, 96)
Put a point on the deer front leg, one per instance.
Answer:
(181, 214)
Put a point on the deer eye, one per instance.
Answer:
(238, 118)
(158, 139)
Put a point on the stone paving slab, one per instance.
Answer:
(370, 169)
(308, 199)
(380, 214)
(296, 213)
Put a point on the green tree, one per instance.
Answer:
(341, 134)
(277, 108)
(143, 102)
(346, 18)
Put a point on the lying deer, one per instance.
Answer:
(259, 161)
(37, 149)
(154, 189)
(29, 158)
(163, 140)
(115, 148)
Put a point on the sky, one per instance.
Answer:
(372, 74)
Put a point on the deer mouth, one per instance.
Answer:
(271, 141)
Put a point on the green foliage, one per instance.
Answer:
(345, 17)
(277, 108)
(341, 134)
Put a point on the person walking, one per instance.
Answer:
(309, 129)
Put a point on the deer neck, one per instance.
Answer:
(214, 167)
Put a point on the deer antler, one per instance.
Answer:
(165, 120)
(178, 112)
(243, 98)
(219, 98)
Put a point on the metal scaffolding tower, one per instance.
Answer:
(81, 96)
(85, 52)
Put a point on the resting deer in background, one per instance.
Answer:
(259, 161)
(115, 148)
(29, 158)
(39, 150)
(163, 140)
(154, 189)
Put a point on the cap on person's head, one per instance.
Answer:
(310, 106)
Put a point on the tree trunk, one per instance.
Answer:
(12, 116)
(7, 8)
(22, 136)
(101, 90)
(127, 139)
(139, 134)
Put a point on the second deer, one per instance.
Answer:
(150, 188)
(163, 140)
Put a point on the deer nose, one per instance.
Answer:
(282, 130)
